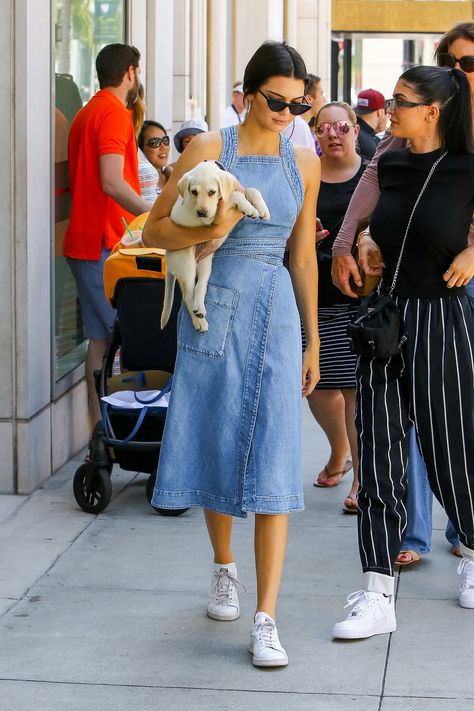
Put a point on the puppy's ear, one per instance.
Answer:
(227, 184)
(183, 184)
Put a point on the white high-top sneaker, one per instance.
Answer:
(223, 597)
(466, 589)
(264, 644)
(372, 613)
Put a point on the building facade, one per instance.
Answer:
(192, 53)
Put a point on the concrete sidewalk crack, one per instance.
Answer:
(250, 690)
(50, 567)
(387, 655)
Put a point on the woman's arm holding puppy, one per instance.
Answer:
(159, 230)
(303, 266)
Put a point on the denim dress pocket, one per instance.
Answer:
(221, 304)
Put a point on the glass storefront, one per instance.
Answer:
(81, 28)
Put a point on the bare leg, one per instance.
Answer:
(349, 395)
(271, 534)
(328, 409)
(219, 527)
(95, 354)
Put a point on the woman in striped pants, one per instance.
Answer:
(431, 382)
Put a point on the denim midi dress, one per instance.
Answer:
(232, 435)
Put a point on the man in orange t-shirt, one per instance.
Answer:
(103, 175)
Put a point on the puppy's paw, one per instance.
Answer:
(199, 310)
(251, 212)
(254, 196)
(199, 322)
(261, 206)
(203, 326)
(263, 211)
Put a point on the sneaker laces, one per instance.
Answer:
(221, 586)
(360, 600)
(466, 568)
(263, 632)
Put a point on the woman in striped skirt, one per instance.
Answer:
(431, 383)
(333, 401)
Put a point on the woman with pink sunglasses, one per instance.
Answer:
(332, 403)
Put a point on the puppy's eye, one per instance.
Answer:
(211, 193)
(194, 192)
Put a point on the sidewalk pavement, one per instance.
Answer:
(108, 613)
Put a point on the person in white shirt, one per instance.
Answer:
(299, 133)
(235, 113)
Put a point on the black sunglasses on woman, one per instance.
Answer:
(156, 142)
(276, 105)
(445, 59)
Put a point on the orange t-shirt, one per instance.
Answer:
(101, 127)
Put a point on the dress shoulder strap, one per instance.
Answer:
(229, 146)
(287, 151)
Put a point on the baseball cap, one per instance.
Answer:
(369, 100)
(189, 128)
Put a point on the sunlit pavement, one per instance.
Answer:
(108, 612)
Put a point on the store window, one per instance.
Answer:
(81, 29)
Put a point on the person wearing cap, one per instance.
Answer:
(188, 130)
(235, 113)
(372, 119)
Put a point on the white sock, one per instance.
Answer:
(231, 567)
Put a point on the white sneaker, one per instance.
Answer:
(466, 589)
(372, 613)
(264, 644)
(223, 597)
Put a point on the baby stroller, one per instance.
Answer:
(131, 438)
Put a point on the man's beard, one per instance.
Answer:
(132, 95)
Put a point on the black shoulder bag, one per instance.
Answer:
(377, 329)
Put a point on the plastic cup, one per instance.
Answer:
(133, 240)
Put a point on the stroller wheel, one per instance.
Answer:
(92, 488)
(150, 485)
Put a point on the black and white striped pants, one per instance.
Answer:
(432, 385)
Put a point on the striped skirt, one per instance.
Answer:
(337, 363)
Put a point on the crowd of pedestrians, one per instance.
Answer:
(403, 425)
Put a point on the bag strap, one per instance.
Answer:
(108, 425)
(155, 398)
(425, 185)
(110, 434)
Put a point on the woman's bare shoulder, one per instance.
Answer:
(308, 162)
(207, 145)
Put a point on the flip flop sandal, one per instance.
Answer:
(350, 505)
(413, 557)
(330, 476)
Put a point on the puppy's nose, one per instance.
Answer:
(201, 213)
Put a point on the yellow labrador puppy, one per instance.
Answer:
(199, 193)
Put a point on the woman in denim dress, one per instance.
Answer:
(232, 437)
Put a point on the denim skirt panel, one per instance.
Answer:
(232, 435)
